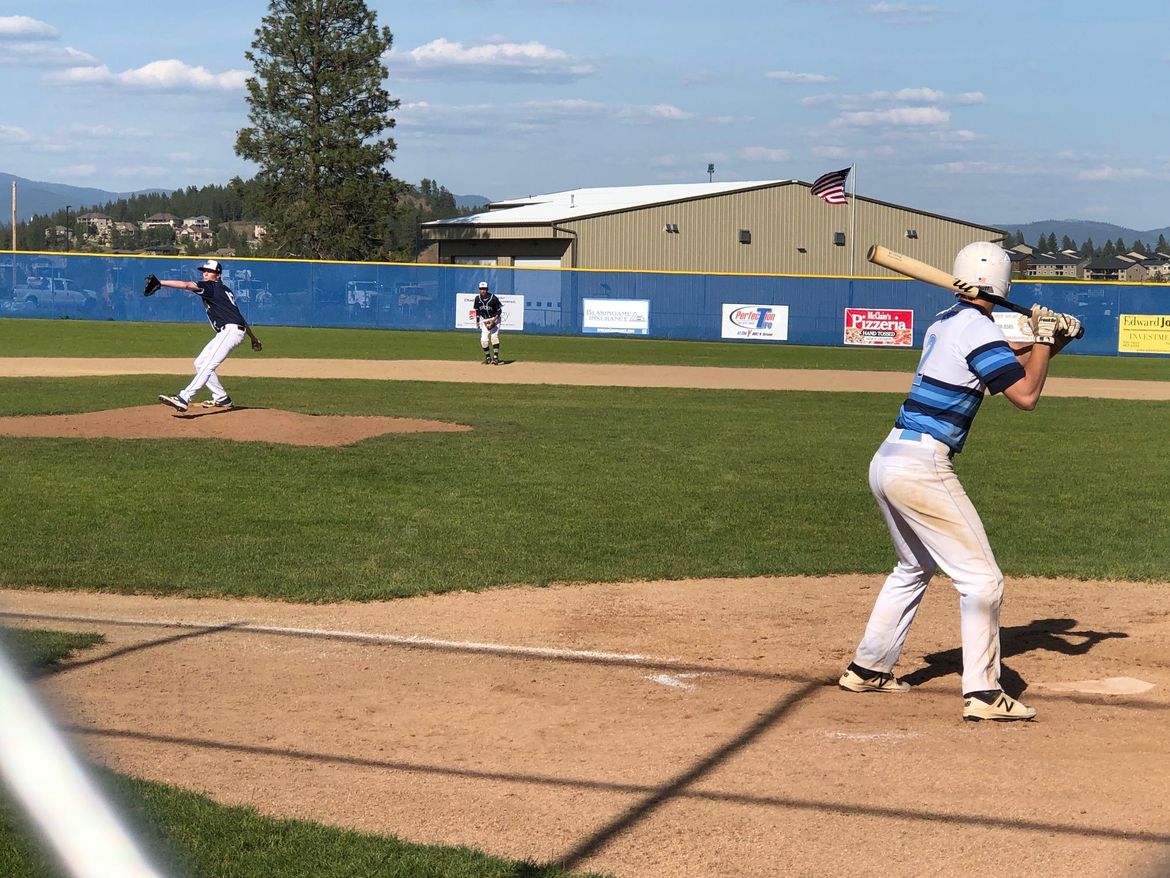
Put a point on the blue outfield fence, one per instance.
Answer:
(774, 308)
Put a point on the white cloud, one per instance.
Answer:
(790, 76)
(28, 42)
(167, 76)
(900, 117)
(1107, 172)
(904, 13)
(106, 132)
(83, 170)
(656, 112)
(831, 152)
(140, 171)
(422, 119)
(25, 28)
(490, 60)
(901, 97)
(42, 55)
(13, 134)
(764, 154)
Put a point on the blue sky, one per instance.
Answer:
(989, 111)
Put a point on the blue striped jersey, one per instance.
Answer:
(964, 354)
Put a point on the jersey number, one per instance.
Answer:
(926, 350)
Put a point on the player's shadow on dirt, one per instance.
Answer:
(203, 413)
(1053, 635)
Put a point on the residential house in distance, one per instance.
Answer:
(1021, 258)
(195, 232)
(1157, 265)
(1066, 264)
(96, 226)
(1115, 268)
(158, 220)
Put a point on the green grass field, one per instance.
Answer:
(575, 484)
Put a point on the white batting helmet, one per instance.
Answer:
(985, 265)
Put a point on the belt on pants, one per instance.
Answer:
(899, 434)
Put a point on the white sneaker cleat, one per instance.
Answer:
(1002, 708)
(176, 402)
(225, 403)
(851, 681)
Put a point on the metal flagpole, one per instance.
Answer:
(853, 219)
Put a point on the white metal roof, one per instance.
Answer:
(574, 203)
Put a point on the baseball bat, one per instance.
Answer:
(911, 267)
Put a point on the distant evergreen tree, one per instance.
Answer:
(1140, 247)
(319, 116)
(1050, 245)
(1120, 247)
(1163, 246)
(1109, 249)
(1087, 249)
(1066, 243)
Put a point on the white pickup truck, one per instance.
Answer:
(48, 292)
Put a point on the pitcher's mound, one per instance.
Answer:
(238, 424)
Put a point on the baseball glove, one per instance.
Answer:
(491, 323)
(152, 285)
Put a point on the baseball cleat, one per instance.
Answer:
(852, 681)
(1001, 708)
(175, 402)
(225, 403)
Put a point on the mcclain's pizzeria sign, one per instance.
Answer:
(874, 326)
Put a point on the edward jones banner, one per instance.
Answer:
(621, 316)
(766, 322)
(1143, 334)
(874, 326)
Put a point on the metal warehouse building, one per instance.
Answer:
(755, 227)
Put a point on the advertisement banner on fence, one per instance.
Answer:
(879, 328)
(765, 322)
(513, 312)
(623, 316)
(1143, 333)
(1010, 322)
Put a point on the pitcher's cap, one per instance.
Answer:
(483, 285)
(212, 265)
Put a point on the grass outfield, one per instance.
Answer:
(569, 483)
(189, 835)
(79, 338)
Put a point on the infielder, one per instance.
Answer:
(489, 311)
(931, 520)
(230, 329)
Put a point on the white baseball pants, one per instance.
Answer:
(489, 336)
(934, 525)
(211, 358)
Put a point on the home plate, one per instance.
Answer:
(1108, 686)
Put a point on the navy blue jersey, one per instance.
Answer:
(964, 355)
(489, 307)
(220, 304)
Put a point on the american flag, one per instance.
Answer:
(831, 187)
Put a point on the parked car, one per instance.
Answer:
(55, 292)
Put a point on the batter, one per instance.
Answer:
(931, 520)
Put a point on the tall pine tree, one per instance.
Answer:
(319, 115)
